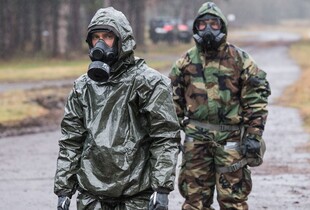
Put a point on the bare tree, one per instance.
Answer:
(138, 21)
(3, 26)
(7, 30)
(38, 11)
(59, 26)
(74, 28)
(25, 24)
(135, 12)
(63, 27)
(55, 25)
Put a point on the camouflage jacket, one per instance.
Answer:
(226, 89)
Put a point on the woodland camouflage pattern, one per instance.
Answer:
(225, 88)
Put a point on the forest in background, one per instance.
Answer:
(58, 28)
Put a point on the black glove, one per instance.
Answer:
(159, 201)
(63, 203)
(251, 147)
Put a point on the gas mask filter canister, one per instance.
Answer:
(102, 57)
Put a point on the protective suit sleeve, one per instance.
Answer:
(254, 97)
(164, 132)
(70, 147)
(178, 89)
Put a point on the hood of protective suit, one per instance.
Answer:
(114, 20)
(213, 9)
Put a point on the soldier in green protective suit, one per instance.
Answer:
(120, 132)
(220, 96)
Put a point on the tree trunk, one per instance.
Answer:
(139, 22)
(135, 13)
(55, 19)
(38, 25)
(8, 29)
(3, 5)
(26, 25)
(74, 28)
(63, 27)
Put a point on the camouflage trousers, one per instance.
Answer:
(87, 202)
(199, 178)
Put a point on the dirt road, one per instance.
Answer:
(283, 182)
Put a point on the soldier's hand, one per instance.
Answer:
(159, 201)
(251, 147)
(63, 203)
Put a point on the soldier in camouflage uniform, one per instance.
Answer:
(220, 96)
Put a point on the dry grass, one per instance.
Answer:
(20, 106)
(29, 70)
(15, 105)
(157, 56)
(300, 91)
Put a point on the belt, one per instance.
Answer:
(115, 200)
(234, 167)
(214, 127)
(229, 145)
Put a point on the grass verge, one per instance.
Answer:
(26, 70)
(299, 92)
(23, 107)
(29, 70)
(20, 105)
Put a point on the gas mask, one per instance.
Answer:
(208, 32)
(102, 57)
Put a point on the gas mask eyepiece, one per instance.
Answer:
(102, 52)
(102, 57)
(209, 32)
